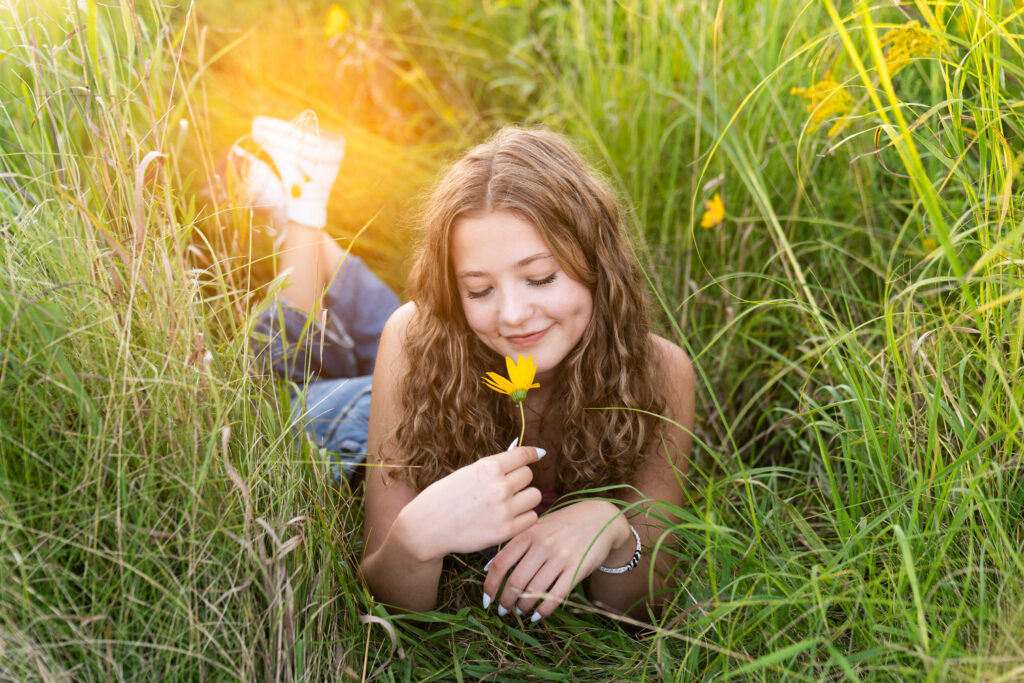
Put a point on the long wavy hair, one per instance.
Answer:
(448, 418)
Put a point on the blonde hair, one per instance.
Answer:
(448, 418)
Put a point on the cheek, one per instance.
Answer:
(578, 304)
(588, 310)
(476, 317)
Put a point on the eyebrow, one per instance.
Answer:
(519, 264)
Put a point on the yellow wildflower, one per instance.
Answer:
(336, 22)
(520, 378)
(929, 245)
(905, 44)
(715, 213)
(826, 99)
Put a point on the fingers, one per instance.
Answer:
(555, 597)
(502, 562)
(538, 587)
(518, 457)
(525, 500)
(522, 522)
(535, 583)
(525, 570)
(519, 478)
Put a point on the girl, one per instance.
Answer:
(525, 255)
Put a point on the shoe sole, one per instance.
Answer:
(271, 132)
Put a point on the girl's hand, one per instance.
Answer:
(474, 507)
(553, 555)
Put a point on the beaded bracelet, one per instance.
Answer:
(629, 565)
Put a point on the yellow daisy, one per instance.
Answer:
(715, 213)
(336, 22)
(519, 381)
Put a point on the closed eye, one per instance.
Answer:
(546, 281)
(481, 293)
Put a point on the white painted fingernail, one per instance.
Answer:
(515, 442)
(487, 600)
(541, 453)
(487, 567)
(535, 618)
(518, 611)
(501, 610)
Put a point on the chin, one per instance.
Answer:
(545, 364)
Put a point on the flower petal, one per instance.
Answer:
(515, 370)
(531, 372)
(511, 368)
(519, 381)
(497, 383)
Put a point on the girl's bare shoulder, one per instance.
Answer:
(403, 317)
(669, 356)
(673, 366)
(392, 349)
(392, 340)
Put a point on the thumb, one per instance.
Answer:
(516, 457)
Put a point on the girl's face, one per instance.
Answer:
(516, 297)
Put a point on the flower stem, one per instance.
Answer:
(522, 416)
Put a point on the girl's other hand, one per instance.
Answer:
(552, 556)
(474, 507)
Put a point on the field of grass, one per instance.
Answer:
(855, 497)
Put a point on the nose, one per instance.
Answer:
(515, 308)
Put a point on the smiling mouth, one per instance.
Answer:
(526, 339)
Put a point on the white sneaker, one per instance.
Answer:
(307, 160)
(251, 182)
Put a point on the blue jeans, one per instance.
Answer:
(331, 364)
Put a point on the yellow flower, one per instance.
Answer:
(715, 213)
(520, 378)
(906, 43)
(336, 22)
(826, 99)
(929, 244)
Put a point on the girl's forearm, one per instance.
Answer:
(630, 593)
(395, 575)
(636, 591)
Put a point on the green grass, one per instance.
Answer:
(854, 501)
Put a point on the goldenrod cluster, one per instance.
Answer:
(826, 99)
(906, 43)
(901, 45)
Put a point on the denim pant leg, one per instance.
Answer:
(331, 363)
(336, 414)
(363, 303)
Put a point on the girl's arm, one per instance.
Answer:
(569, 544)
(389, 567)
(658, 480)
(407, 534)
